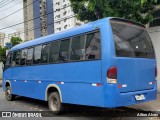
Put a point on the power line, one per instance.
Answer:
(33, 18)
(6, 4)
(2, 2)
(11, 6)
(31, 29)
(17, 11)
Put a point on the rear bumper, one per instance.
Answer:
(126, 99)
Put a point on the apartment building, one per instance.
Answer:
(38, 18)
(64, 17)
(2, 39)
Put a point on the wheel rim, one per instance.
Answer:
(54, 104)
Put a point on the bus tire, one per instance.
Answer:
(9, 96)
(55, 104)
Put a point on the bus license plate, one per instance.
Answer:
(139, 97)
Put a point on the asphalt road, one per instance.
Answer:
(75, 112)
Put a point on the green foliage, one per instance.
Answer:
(2, 53)
(15, 41)
(135, 10)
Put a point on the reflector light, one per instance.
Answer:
(60, 82)
(119, 86)
(151, 83)
(96, 84)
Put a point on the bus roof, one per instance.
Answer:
(60, 35)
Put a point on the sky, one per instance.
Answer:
(8, 7)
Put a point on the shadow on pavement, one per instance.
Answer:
(79, 110)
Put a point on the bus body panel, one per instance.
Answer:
(79, 77)
(135, 74)
(113, 98)
(78, 81)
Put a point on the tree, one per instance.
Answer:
(15, 40)
(3, 53)
(135, 10)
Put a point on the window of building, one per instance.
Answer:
(93, 46)
(78, 48)
(65, 5)
(58, 3)
(45, 53)
(58, 16)
(23, 57)
(64, 50)
(29, 56)
(156, 20)
(65, 19)
(58, 9)
(54, 51)
(64, 13)
(59, 28)
(37, 54)
(65, 27)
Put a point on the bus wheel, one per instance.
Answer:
(8, 94)
(54, 103)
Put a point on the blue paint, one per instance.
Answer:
(79, 76)
(36, 14)
(50, 18)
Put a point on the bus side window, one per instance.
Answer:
(37, 54)
(64, 50)
(29, 56)
(54, 51)
(93, 46)
(8, 60)
(78, 48)
(45, 53)
(23, 57)
(17, 60)
(14, 59)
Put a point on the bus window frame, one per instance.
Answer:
(61, 39)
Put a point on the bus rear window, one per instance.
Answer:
(131, 40)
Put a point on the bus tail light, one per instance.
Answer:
(112, 75)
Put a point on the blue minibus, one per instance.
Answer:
(106, 63)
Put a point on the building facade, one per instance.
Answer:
(44, 17)
(2, 39)
(18, 33)
(38, 18)
(64, 17)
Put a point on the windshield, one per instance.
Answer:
(131, 40)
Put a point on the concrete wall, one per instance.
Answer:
(155, 36)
